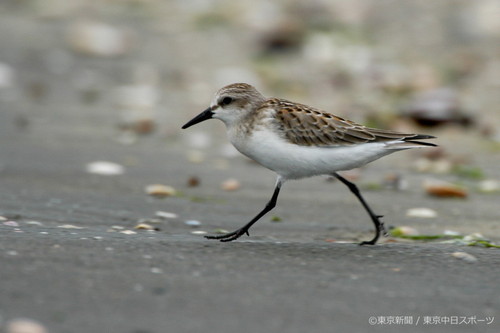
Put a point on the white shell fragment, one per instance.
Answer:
(160, 191)
(489, 186)
(421, 212)
(464, 256)
(11, 223)
(69, 226)
(166, 215)
(230, 184)
(105, 168)
(144, 226)
(24, 325)
(36, 223)
(476, 236)
(451, 233)
(192, 223)
(128, 232)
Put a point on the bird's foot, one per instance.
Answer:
(380, 229)
(230, 236)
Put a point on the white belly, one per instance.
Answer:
(293, 161)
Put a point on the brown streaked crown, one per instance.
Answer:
(241, 93)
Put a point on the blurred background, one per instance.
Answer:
(147, 66)
(83, 79)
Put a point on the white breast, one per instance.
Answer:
(293, 161)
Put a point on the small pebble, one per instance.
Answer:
(444, 190)
(474, 237)
(11, 223)
(144, 226)
(24, 325)
(193, 181)
(105, 168)
(166, 215)
(12, 253)
(3, 218)
(128, 232)
(69, 226)
(156, 270)
(464, 256)
(37, 223)
(199, 232)
(451, 233)
(425, 213)
(192, 223)
(230, 184)
(160, 191)
(489, 186)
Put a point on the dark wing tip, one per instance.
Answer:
(415, 137)
(420, 137)
(422, 143)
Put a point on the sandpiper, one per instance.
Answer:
(296, 141)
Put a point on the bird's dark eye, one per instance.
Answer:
(226, 100)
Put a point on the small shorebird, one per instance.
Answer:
(296, 141)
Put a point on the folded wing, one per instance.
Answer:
(306, 126)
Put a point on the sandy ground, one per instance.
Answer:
(288, 276)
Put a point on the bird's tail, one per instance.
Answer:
(411, 142)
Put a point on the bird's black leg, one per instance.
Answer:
(379, 226)
(244, 230)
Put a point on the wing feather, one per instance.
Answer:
(307, 126)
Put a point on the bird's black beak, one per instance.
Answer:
(207, 114)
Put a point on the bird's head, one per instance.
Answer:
(230, 104)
